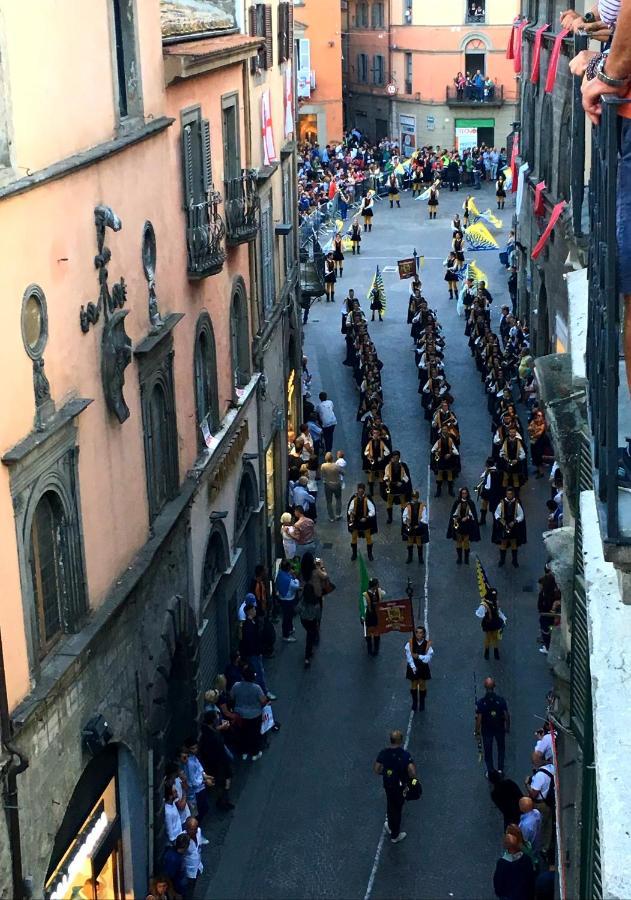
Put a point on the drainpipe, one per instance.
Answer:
(393, 127)
(17, 765)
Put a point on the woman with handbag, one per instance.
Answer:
(310, 613)
(418, 653)
(313, 573)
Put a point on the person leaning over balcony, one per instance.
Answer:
(611, 74)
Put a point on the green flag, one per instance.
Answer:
(363, 586)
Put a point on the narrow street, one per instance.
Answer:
(309, 816)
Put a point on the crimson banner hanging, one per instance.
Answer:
(556, 212)
(554, 60)
(536, 53)
(510, 50)
(513, 161)
(537, 207)
(517, 45)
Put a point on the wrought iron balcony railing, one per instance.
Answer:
(603, 333)
(242, 204)
(472, 96)
(205, 231)
(475, 18)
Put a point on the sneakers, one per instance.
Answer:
(290, 640)
(271, 696)
(387, 827)
(401, 837)
(257, 756)
(543, 650)
(244, 756)
(331, 520)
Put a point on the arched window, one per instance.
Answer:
(565, 162)
(240, 339)
(206, 391)
(49, 567)
(546, 140)
(215, 563)
(475, 57)
(162, 471)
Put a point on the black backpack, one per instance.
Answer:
(395, 771)
(550, 798)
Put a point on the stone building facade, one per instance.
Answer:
(146, 375)
(568, 294)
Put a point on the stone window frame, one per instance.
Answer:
(128, 104)
(155, 370)
(206, 368)
(39, 466)
(240, 334)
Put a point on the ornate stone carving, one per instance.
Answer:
(149, 255)
(115, 343)
(34, 322)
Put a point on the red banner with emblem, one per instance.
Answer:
(393, 615)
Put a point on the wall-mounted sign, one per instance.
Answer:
(430, 121)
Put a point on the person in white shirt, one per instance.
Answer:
(418, 653)
(327, 418)
(193, 856)
(289, 544)
(172, 821)
(173, 774)
(543, 748)
(538, 786)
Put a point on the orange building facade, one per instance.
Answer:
(318, 31)
(403, 57)
(138, 490)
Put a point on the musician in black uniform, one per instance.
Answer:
(509, 526)
(513, 460)
(397, 482)
(463, 525)
(445, 418)
(372, 598)
(338, 255)
(393, 191)
(361, 517)
(415, 526)
(356, 236)
(376, 453)
(490, 489)
(418, 653)
(432, 202)
(329, 278)
(445, 462)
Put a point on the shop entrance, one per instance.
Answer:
(308, 127)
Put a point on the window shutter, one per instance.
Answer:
(290, 31)
(187, 166)
(282, 32)
(255, 61)
(207, 166)
(269, 43)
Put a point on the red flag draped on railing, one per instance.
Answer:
(517, 45)
(510, 50)
(538, 207)
(554, 60)
(556, 212)
(536, 53)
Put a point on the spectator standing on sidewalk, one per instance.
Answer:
(286, 586)
(328, 420)
(174, 863)
(514, 877)
(396, 767)
(193, 856)
(332, 476)
(303, 532)
(251, 648)
(249, 700)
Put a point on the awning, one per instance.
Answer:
(475, 123)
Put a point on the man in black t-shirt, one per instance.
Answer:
(492, 721)
(397, 767)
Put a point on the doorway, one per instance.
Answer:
(381, 129)
(486, 136)
(308, 128)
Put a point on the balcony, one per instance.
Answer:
(205, 231)
(609, 407)
(473, 96)
(476, 13)
(242, 204)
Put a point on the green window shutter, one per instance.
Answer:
(207, 170)
(282, 32)
(188, 166)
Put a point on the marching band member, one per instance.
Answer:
(445, 462)
(361, 517)
(509, 526)
(398, 485)
(463, 525)
(418, 653)
(415, 526)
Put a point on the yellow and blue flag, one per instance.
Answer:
(479, 237)
(491, 219)
(378, 288)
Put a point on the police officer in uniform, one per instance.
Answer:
(492, 721)
(397, 481)
(361, 517)
(414, 526)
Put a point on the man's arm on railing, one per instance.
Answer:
(618, 66)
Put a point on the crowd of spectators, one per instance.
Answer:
(476, 87)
